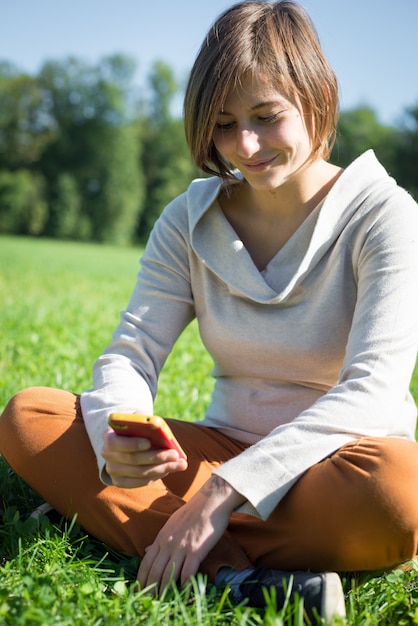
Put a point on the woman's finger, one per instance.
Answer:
(143, 474)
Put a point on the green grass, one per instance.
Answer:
(60, 304)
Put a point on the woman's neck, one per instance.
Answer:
(265, 220)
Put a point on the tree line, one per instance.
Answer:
(84, 155)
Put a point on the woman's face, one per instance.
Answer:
(261, 133)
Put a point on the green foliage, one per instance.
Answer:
(163, 87)
(23, 210)
(65, 216)
(165, 161)
(73, 127)
(84, 156)
(385, 600)
(26, 127)
(396, 148)
(60, 576)
(113, 198)
(360, 130)
(108, 161)
(406, 164)
(96, 144)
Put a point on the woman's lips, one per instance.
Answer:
(256, 166)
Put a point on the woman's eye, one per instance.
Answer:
(263, 119)
(225, 126)
(270, 118)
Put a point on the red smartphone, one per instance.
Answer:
(149, 427)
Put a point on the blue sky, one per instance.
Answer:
(372, 44)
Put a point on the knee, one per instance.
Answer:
(13, 408)
(18, 405)
(9, 420)
(389, 473)
(395, 482)
(15, 420)
(398, 487)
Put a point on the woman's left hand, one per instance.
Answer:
(189, 535)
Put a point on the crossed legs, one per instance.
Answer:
(356, 510)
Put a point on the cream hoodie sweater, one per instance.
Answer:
(311, 353)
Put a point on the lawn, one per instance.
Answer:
(60, 303)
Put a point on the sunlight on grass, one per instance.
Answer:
(61, 304)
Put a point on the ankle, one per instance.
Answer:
(233, 578)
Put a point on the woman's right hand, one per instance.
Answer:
(131, 462)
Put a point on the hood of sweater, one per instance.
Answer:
(354, 193)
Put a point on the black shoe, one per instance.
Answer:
(322, 593)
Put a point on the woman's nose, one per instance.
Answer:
(248, 142)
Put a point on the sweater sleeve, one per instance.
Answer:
(161, 306)
(371, 396)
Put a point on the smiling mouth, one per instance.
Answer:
(259, 165)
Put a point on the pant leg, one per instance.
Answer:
(43, 438)
(356, 510)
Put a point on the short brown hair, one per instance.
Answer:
(277, 40)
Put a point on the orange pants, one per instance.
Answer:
(355, 510)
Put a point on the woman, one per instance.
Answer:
(304, 282)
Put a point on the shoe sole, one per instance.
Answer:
(333, 603)
(42, 509)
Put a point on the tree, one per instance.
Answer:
(82, 157)
(26, 127)
(115, 197)
(358, 130)
(166, 162)
(23, 210)
(65, 217)
(96, 144)
(406, 162)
